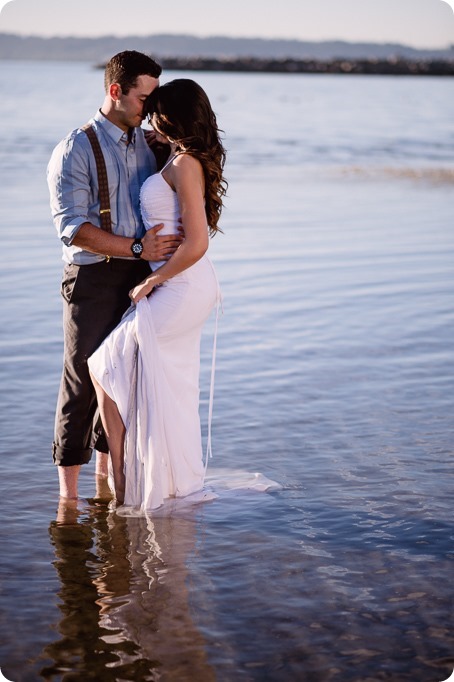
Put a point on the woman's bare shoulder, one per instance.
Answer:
(187, 165)
(187, 161)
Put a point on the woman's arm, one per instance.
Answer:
(185, 176)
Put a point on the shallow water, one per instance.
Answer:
(334, 378)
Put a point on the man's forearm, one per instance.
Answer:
(155, 247)
(95, 240)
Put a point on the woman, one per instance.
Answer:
(146, 373)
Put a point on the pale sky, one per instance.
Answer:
(420, 23)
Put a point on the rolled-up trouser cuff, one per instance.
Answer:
(66, 457)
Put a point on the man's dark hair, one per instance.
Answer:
(125, 67)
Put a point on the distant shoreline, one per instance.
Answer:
(394, 66)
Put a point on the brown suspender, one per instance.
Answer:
(104, 201)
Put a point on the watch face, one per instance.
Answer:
(137, 248)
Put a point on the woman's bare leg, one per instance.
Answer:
(115, 434)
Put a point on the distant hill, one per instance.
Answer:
(98, 50)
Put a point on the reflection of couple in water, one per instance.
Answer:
(125, 611)
(140, 369)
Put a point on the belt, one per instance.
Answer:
(108, 260)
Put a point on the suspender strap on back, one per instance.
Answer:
(103, 184)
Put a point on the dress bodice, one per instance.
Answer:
(159, 204)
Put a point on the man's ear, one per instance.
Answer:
(115, 91)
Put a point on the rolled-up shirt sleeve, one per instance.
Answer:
(68, 178)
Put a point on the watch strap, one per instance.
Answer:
(137, 241)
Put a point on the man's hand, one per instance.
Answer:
(158, 247)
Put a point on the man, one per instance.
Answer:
(100, 267)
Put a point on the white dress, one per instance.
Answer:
(149, 365)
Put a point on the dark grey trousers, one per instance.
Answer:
(94, 300)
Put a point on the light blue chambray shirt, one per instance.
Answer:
(73, 184)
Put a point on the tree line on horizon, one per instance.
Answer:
(220, 49)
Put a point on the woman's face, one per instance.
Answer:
(159, 136)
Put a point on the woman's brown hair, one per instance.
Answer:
(183, 114)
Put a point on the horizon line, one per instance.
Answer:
(228, 37)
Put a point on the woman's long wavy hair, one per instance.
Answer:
(183, 114)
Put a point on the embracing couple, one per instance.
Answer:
(137, 284)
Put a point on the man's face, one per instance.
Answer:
(129, 108)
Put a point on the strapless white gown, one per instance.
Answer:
(149, 365)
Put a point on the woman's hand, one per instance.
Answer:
(141, 290)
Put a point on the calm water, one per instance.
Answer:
(335, 378)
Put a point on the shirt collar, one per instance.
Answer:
(114, 132)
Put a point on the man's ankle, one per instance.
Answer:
(102, 463)
(68, 478)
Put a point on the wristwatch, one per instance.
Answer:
(137, 248)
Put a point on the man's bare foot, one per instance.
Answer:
(103, 490)
(67, 513)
